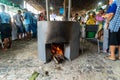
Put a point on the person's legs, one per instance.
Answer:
(24, 32)
(105, 40)
(27, 31)
(18, 32)
(21, 32)
(21, 36)
(30, 29)
(119, 42)
(8, 37)
(34, 30)
(9, 43)
(119, 51)
(112, 52)
(5, 42)
(113, 44)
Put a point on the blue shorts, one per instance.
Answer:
(28, 27)
(20, 29)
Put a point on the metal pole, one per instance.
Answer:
(25, 4)
(69, 10)
(64, 10)
(47, 10)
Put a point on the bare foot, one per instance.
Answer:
(4, 49)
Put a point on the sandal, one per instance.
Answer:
(110, 58)
(119, 58)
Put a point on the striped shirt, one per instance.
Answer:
(114, 24)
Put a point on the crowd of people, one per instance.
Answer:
(24, 26)
(109, 27)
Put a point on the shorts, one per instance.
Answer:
(5, 30)
(114, 38)
(20, 29)
(28, 27)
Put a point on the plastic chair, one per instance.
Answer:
(90, 34)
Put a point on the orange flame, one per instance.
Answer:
(59, 51)
(56, 50)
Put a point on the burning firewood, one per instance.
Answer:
(56, 59)
(58, 55)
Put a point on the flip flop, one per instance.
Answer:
(118, 58)
(109, 58)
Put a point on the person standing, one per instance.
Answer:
(19, 24)
(27, 17)
(113, 19)
(75, 18)
(5, 28)
(34, 26)
(114, 27)
(91, 19)
(108, 16)
(100, 22)
(41, 17)
(99, 18)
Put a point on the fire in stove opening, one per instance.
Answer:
(57, 51)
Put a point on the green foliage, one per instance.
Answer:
(34, 76)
